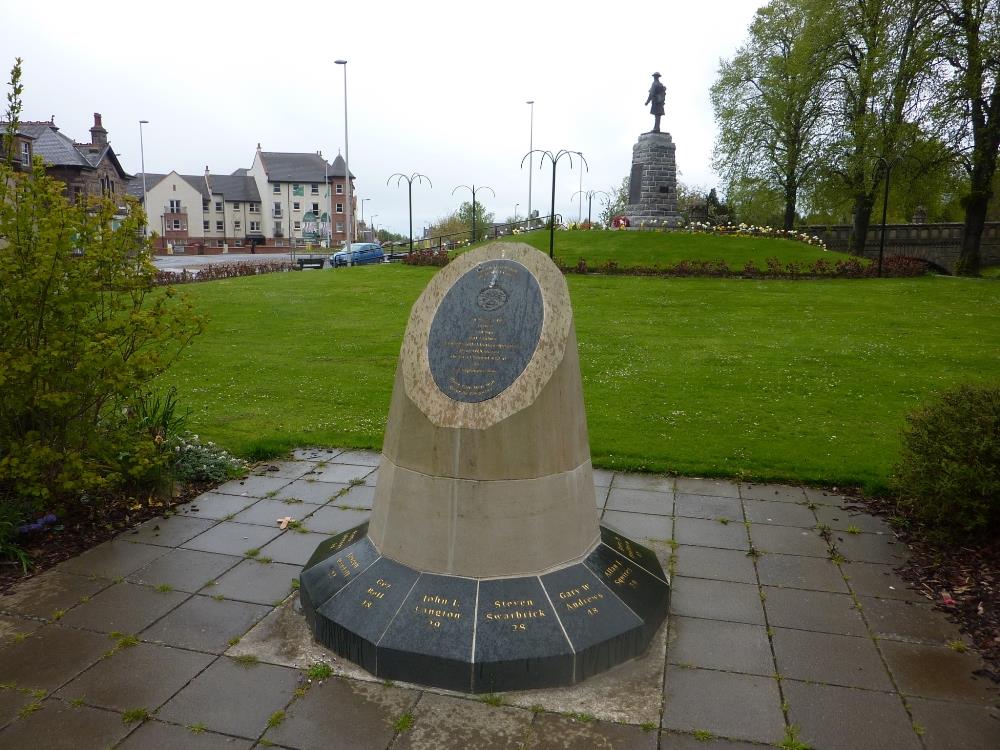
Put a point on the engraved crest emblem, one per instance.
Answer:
(491, 298)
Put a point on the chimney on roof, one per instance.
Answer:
(98, 135)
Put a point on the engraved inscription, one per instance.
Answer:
(516, 613)
(344, 566)
(583, 598)
(621, 573)
(375, 593)
(438, 609)
(485, 331)
(625, 547)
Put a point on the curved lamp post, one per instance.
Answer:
(554, 158)
(531, 147)
(590, 197)
(474, 190)
(409, 192)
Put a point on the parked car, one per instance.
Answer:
(360, 252)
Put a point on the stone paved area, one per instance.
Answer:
(183, 633)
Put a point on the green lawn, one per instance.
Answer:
(667, 248)
(805, 380)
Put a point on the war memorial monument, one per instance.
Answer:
(483, 567)
(652, 188)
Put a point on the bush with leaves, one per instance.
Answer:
(948, 477)
(82, 332)
(194, 461)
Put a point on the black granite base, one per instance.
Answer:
(484, 635)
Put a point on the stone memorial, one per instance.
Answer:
(483, 567)
(652, 189)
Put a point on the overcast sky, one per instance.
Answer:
(433, 87)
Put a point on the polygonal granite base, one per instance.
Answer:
(484, 635)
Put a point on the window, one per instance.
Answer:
(340, 189)
(204, 205)
(238, 242)
(175, 224)
(277, 209)
(26, 156)
(278, 229)
(296, 206)
(174, 207)
(236, 205)
(254, 207)
(340, 226)
(218, 207)
(237, 225)
(255, 226)
(313, 188)
(297, 225)
(276, 189)
(340, 208)
(219, 227)
(315, 209)
(204, 225)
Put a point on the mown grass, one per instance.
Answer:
(773, 380)
(667, 248)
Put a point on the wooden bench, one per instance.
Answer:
(305, 263)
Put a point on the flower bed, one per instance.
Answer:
(221, 271)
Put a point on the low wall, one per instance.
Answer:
(939, 244)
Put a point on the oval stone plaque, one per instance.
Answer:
(485, 331)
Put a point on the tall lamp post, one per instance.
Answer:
(554, 158)
(374, 236)
(531, 148)
(515, 211)
(347, 177)
(142, 156)
(887, 164)
(474, 190)
(409, 192)
(362, 202)
(590, 197)
(579, 205)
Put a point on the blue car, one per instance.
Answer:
(360, 252)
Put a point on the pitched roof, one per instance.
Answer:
(282, 166)
(58, 150)
(234, 187)
(195, 181)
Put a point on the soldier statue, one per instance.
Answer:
(657, 95)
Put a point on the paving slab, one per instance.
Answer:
(650, 482)
(168, 532)
(821, 496)
(184, 569)
(255, 582)
(698, 486)
(787, 540)
(140, 676)
(215, 507)
(555, 732)
(947, 725)
(284, 469)
(59, 726)
(874, 579)
(778, 513)
(267, 512)
(842, 520)
(360, 496)
(819, 611)
(50, 592)
(843, 660)
(779, 492)
(205, 624)
(12, 701)
(311, 491)
(231, 538)
(873, 548)
(716, 600)
(639, 526)
(442, 721)
(641, 501)
(714, 644)
(113, 559)
(50, 657)
(156, 735)
(673, 741)
(233, 699)
(707, 506)
(292, 547)
(253, 486)
(359, 457)
(718, 564)
(123, 607)
(838, 718)
(14, 629)
(603, 477)
(330, 519)
(316, 454)
(798, 572)
(938, 672)
(898, 620)
(736, 706)
(338, 714)
(372, 479)
(344, 473)
(601, 493)
(711, 533)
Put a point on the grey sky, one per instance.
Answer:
(433, 87)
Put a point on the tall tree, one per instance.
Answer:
(883, 81)
(770, 102)
(969, 35)
(616, 205)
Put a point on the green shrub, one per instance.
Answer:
(194, 461)
(948, 478)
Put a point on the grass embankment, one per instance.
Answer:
(668, 248)
(793, 380)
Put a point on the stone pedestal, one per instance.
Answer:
(652, 195)
(483, 567)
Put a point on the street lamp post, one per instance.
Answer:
(590, 197)
(887, 164)
(142, 156)
(554, 158)
(409, 192)
(515, 211)
(374, 235)
(362, 202)
(531, 148)
(579, 204)
(474, 190)
(347, 168)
